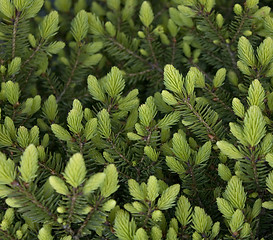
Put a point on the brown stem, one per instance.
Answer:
(7, 235)
(153, 66)
(194, 185)
(15, 26)
(212, 135)
(173, 50)
(71, 75)
(213, 94)
(256, 178)
(79, 233)
(149, 39)
(32, 55)
(240, 27)
(45, 75)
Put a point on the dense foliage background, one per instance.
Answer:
(135, 120)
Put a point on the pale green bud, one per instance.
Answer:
(133, 136)
(141, 34)
(110, 28)
(232, 77)
(237, 9)
(219, 20)
(143, 52)
(61, 210)
(32, 40)
(247, 33)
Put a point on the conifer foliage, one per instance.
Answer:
(136, 120)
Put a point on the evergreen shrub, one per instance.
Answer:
(136, 120)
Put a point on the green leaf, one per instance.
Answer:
(156, 233)
(201, 221)
(7, 8)
(135, 190)
(268, 205)
(141, 235)
(168, 197)
(254, 126)
(265, 52)
(146, 14)
(114, 82)
(251, 3)
(95, 25)
(229, 150)
(95, 89)
(183, 211)
(90, 129)
(256, 210)
(171, 234)
(79, 26)
(29, 164)
(45, 233)
(55, 47)
(225, 208)
(4, 190)
(124, 228)
(9, 126)
(49, 26)
(246, 52)
(92, 60)
(93, 183)
(151, 153)
(175, 165)
(172, 79)
(169, 120)
(50, 108)
(219, 78)
(168, 98)
(74, 120)
(58, 185)
(63, 5)
(109, 205)
(110, 183)
(152, 188)
(238, 108)
(14, 66)
(256, 94)
(7, 170)
(180, 147)
(21, 4)
(104, 124)
(235, 193)
(5, 139)
(75, 170)
(61, 133)
(237, 132)
(215, 230)
(269, 182)
(12, 92)
(224, 172)
(33, 9)
(237, 221)
(203, 153)
(246, 231)
(113, 4)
